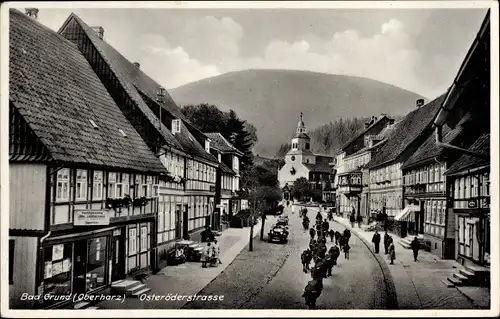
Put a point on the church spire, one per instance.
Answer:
(301, 127)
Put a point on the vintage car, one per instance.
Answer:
(279, 232)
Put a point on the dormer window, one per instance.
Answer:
(122, 132)
(94, 125)
(176, 126)
(207, 146)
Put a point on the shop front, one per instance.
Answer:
(473, 236)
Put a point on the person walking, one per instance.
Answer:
(337, 237)
(376, 241)
(392, 251)
(386, 242)
(359, 220)
(331, 233)
(415, 246)
(306, 259)
(347, 248)
(352, 218)
(312, 232)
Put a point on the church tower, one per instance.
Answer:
(301, 145)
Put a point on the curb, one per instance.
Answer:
(392, 298)
(472, 300)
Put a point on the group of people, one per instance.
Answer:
(355, 219)
(211, 254)
(388, 245)
(324, 259)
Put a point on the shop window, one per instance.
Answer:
(97, 185)
(81, 184)
(144, 239)
(111, 185)
(57, 265)
(12, 243)
(62, 186)
(132, 241)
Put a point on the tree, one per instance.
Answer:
(300, 188)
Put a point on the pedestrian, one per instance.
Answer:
(415, 246)
(326, 225)
(206, 255)
(386, 242)
(312, 233)
(331, 233)
(312, 291)
(337, 237)
(347, 248)
(319, 217)
(376, 241)
(347, 235)
(217, 251)
(392, 251)
(335, 250)
(306, 259)
(352, 218)
(359, 220)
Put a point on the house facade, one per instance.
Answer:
(228, 179)
(468, 178)
(385, 167)
(83, 183)
(300, 161)
(186, 192)
(351, 178)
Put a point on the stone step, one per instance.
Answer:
(466, 273)
(81, 305)
(137, 294)
(135, 288)
(447, 283)
(455, 281)
(460, 277)
(477, 269)
(123, 286)
(404, 245)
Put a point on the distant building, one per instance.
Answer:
(351, 179)
(300, 161)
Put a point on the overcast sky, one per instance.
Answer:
(416, 49)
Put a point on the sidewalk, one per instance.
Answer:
(188, 278)
(418, 284)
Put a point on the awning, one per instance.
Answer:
(406, 214)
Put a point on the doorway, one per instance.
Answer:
(80, 267)
(178, 223)
(118, 271)
(185, 218)
(421, 219)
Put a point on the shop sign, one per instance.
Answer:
(90, 217)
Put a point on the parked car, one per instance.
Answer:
(282, 221)
(279, 232)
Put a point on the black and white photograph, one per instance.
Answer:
(304, 158)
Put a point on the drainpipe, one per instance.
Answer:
(439, 142)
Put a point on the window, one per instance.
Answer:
(97, 185)
(308, 146)
(144, 239)
(96, 263)
(57, 265)
(176, 126)
(81, 184)
(486, 185)
(111, 185)
(62, 190)
(434, 211)
(207, 145)
(12, 243)
(122, 185)
(132, 241)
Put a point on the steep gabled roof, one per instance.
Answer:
(405, 133)
(322, 164)
(361, 134)
(226, 169)
(137, 85)
(221, 144)
(57, 93)
(430, 149)
(465, 162)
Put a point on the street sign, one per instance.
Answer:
(89, 217)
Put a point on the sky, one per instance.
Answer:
(416, 49)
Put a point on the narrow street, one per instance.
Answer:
(356, 283)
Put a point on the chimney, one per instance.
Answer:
(32, 12)
(100, 31)
(420, 102)
(137, 65)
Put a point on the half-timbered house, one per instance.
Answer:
(228, 178)
(82, 180)
(186, 193)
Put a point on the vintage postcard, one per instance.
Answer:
(314, 159)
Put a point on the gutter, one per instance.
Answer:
(439, 142)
